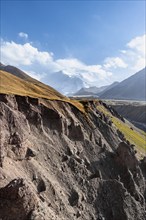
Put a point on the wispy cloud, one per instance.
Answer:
(129, 60)
(41, 63)
(23, 35)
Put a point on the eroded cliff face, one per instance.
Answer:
(59, 163)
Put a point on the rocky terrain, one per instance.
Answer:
(57, 162)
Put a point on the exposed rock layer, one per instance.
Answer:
(58, 163)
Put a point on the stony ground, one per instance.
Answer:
(57, 163)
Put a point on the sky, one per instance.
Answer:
(99, 41)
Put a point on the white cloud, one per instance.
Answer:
(129, 60)
(23, 35)
(25, 54)
(40, 63)
(36, 62)
(136, 53)
(92, 74)
(114, 62)
(138, 44)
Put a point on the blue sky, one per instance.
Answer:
(90, 32)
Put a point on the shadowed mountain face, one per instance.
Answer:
(132, 88)
(65, 159)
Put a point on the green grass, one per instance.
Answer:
(135, 137)
(132, 135)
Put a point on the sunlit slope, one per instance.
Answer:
(138, 138)
(10, 84)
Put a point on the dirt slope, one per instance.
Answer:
(57, 162)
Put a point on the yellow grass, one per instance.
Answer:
(10, 84)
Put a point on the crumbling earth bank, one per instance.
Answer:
(58, 163)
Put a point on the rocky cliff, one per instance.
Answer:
(59, 163)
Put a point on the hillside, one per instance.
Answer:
(132, 88)
(11, 84)
(64, 159)
(133, 111)
(16, 72)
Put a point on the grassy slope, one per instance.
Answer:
(10, 84)
(135, 137)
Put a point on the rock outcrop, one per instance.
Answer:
(17, 200)
(59, 163)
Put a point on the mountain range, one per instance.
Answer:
(94, 91)
(61, 82)
(64, 83)
(132, 88)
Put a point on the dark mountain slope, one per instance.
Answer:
(109, 87)
(132, 88)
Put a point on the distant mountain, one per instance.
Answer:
(64, 83)
(90, 91)
(132, 88)
(60, 81)
(96, 91)
(1, 65)
(109, 87)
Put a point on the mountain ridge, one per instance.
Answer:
(96, 91)
(132, 88)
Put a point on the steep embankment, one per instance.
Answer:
(134, 113)
(61, 163)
